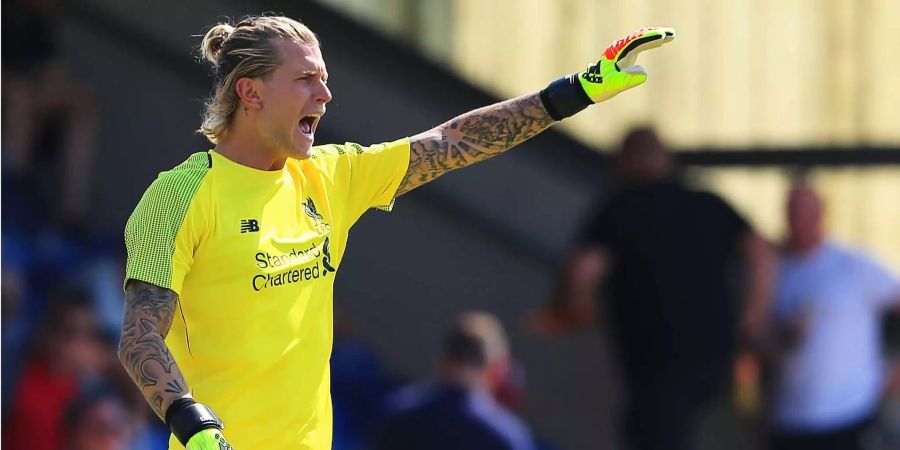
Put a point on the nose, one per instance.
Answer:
(323, 94)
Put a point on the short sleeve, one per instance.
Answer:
(881, 286)
(166, 227)
(374, 175)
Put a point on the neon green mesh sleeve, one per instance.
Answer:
(150, 235)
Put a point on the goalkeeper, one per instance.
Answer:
(232, 254)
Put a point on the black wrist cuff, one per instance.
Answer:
(565, 97)
(185, 418)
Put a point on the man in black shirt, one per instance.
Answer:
(662, 254)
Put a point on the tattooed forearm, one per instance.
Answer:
(148, 316)
(472, 137)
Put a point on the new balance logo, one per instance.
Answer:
(249, 226)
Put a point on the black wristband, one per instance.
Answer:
(565, 97)
(185, 418)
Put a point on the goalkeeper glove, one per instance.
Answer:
(208, 439)
(195, 426)
(615, 72)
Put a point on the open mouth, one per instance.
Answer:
(307, 124)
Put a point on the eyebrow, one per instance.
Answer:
(313, 72)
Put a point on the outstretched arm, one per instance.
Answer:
(148, 316)
(491, 130)
(473, 137)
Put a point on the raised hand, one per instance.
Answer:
(616, 71)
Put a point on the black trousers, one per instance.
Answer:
(846, 438)
(664, 407)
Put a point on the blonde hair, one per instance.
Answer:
(247, 49)
(487, 327)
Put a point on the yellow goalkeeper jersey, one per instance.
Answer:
(252, 255)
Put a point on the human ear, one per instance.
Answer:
(249, 91)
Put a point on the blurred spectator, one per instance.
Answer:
(90, 271)
(458, 411)
(39, 94)
(67, 352)
(13, 329)
(829, 368)
(147, 431)
(663, 254)
(48, 145)
(359, 385)
(506, 380)
(98, 420)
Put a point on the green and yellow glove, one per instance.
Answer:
(209, 439)
(613, 73)
(616, 72)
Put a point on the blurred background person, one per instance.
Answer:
(98, 420)
(459, 411)
(14, 330)
(360, 383)
(661, 253)
(505, 377)
(49, 132)
(829, 366)
(50, 119)
(66, 353)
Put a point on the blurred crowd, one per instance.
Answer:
(62, 385)
(695, 301)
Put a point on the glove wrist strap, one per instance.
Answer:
(565, 97)
(185, 418)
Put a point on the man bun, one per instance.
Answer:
(214, 40)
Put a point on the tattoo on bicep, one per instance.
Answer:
(153, 302)
(148, 317)
(473, 137)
